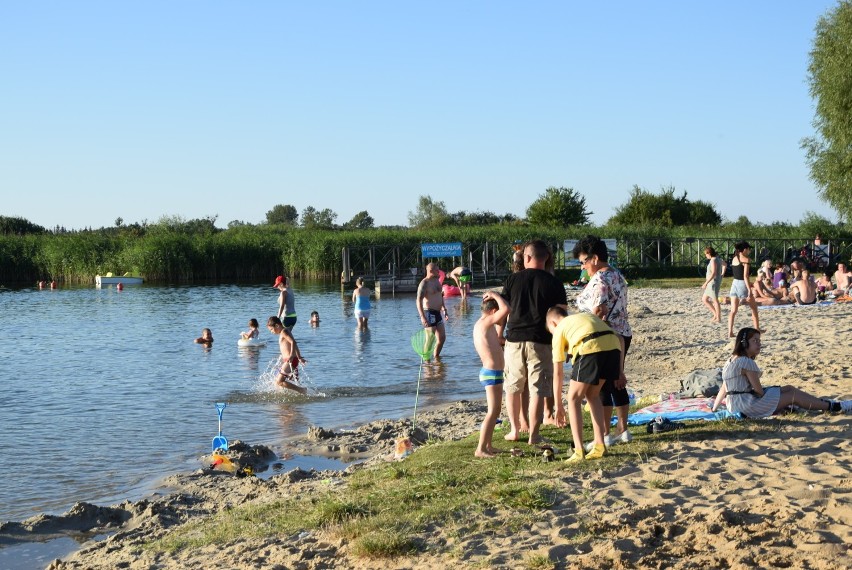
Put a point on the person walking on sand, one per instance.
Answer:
(361, 298)
(286, 302)
(486, 340)
(291, 357)
(596, 353)
(529, 294)
(744, 393)
(430, 306)
(713, 283)
(741, 288)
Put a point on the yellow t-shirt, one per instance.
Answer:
(570, 332)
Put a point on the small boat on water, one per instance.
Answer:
(110, 279)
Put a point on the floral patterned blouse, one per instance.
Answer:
(607, 287)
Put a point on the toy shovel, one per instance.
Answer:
(220, 441)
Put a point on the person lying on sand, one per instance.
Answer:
(764, 294)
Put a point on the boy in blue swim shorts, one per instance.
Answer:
(486, 339)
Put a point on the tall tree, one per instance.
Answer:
(313, 218)
(829, 151)
(558, 207)
(665, 209)
(360, 221)
(282, 214)
(20, 226)
(428, 214)
(486, 218)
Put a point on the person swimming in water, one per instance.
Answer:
(206, 337)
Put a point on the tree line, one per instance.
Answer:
(175, 250)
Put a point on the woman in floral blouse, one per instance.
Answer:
(606, 296)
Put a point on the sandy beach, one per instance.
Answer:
(780, 499)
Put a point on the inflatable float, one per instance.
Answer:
(449, 290)
(251, 342)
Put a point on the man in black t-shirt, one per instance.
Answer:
(530, 294)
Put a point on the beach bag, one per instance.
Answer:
(701, 384)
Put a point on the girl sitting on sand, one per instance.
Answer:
(744, 394)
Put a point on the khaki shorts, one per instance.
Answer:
(528, 362)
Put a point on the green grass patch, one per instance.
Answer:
(659, 483)
(539, 562)
(386, 510)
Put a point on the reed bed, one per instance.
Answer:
(179, 253)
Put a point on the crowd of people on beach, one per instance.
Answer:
(774, 284)
(527, 332)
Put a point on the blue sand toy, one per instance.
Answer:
(220, 441)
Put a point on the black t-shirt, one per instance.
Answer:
(530, 293)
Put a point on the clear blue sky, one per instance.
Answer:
(202, 108)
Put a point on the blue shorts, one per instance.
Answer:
(739, 289)
(490, 377)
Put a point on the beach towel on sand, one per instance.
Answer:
(678, 410)
(790, 306)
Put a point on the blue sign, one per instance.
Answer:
(441, 249)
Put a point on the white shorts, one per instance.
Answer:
(362, 314)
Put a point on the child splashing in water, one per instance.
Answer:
(288, 373)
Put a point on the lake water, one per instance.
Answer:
(105, 392)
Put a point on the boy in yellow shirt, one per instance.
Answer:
(596, 354)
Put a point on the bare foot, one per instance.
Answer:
(535, 439)
(512, 436)
(493, 450)
(524, 428)
(549, 421)
(484, 454)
